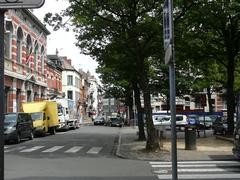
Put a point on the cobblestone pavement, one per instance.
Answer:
(207, 148)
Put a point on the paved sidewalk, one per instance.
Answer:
(207, 148)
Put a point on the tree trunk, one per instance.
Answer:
(152, 143)
(209, 100)
(230, 96)
(140, 112)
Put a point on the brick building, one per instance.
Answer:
(54, 77)
(25, 59)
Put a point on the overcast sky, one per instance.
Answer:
(64, 41)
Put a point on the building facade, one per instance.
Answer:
(71, 81)
(25, 41)
(54, 77)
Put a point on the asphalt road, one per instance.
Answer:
(86, 153)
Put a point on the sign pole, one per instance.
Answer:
(2, 94)
(170, 61)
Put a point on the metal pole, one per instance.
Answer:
(173, 120)
(2, 94)
(173, 100)
(134, 111)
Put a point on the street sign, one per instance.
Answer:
(167, 23)
(168, 55)
(16, 4)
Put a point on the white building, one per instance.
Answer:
(70, 81)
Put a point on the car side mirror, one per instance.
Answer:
(48, 118)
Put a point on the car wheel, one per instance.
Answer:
(214, 132)
(31, 136)
(18, 139)
(53, 131)
(224, 132)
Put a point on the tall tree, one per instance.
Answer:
(99, 23)
(213, 27)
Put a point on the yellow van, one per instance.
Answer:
(44, 115)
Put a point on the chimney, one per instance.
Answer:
(69, 61)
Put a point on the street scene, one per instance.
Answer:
(135, 90)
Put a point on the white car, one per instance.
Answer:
(162, 122)
(181, 120)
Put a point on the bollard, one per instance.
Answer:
(190, 138)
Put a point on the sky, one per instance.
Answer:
(64, 41)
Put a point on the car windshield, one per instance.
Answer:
(37, 116)
(179, 118)
(10, 120)
(115, 119)
(98, 119)
(166, 119)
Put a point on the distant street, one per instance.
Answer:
(85, 153)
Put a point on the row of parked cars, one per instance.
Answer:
(112, 121)
(217, 123)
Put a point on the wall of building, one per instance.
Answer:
(25, 59)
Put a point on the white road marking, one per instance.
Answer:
(196, 162)
(193, 165)
(14, 149)
(74, 149)
(54, 148)
(201, 176)
(32, 149)
(94, 150)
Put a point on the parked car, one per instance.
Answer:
(181, 121)
(220, 126)
(161, 119)
(236, 144)
(207, 124)
(115, 121)
(193, 120)
(18, 126)
(99, 121)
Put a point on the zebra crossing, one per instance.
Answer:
(47, 149)
(198, 170)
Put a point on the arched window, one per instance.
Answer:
(8, 39)
(42, 59)
(19, 44)
(36, 55)
(29, 51)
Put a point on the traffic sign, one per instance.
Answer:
(18, 4)
(168, 55)
(167, 23)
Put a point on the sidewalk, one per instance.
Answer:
(209, 148)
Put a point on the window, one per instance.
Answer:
(77, 82)
(36, 55)
(70, 95)
(19, 45)
(29, 51)
(42, 59)
(69, 80)
(8, 40)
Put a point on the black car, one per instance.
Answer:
(99, 121)
(18, 126)
(236, 144)
(115, 121)
(220, 126)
